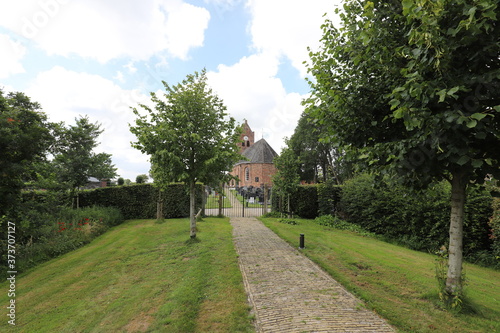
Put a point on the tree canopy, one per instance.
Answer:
(24, 141)
(188, 135)
(412, 87)
(74, 157)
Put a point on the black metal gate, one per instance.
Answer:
(238, 201)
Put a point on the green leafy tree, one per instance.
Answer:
(75, 159)
(188, 136)
(120, 181)
(412, 87)
(25, 139)
(141, 179)
(286, 180)
(319, 160)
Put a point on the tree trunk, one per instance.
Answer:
(454, 276)
(289, 209)
(192, 194)
(159, 206)
(221, 193)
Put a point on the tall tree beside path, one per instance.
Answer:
(412, 87)
(287, 178)
(188, 135)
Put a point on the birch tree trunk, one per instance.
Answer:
(454, 276)
(192, 223)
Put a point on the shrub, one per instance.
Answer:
(418, 220)
(495, 230)
(337, 223)
(304, 202)
(139, 201)
(288, 221)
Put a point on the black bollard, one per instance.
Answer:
(301, 246)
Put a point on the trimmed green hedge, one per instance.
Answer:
(311, 201)
(419, 220)
(140, 201)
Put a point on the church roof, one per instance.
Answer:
(260, 152)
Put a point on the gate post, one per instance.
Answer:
(264, 206)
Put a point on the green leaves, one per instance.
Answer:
(447, 92)
(413, 79)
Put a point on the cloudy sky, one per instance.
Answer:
(101, 57)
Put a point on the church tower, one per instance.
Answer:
(247, 137)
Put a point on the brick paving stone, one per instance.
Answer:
(290, 293)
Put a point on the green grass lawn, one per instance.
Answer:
(213, 202)
(247, 204)
(140, 276)
(397, 283)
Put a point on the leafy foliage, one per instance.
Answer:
(75, 160)
(139, 201)
(48, 230)
(24, 141)
(328, 198)
(412, 87)
(337, 223)
(319, 160)
(416, 219)
(140, 179)
(188, 136)
(286, 180)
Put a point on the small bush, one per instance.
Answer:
(288, 221)
(337, 223)
(273, 214)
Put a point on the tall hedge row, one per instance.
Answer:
(140, 201)
(310, 201)
(419, 220)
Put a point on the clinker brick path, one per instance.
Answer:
(289, 293)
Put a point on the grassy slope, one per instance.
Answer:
(140, 276)
(397, 283)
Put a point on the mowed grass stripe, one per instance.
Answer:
(139, 277)
(396, 282)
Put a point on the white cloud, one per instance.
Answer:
(97, 29)
(64, 95)
(251, 91)
(12, 53)
(287, 28)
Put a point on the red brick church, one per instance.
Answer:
(259, 168)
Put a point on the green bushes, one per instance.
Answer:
(418, 220)
(304, 202)
(139, 201)
(494, 233)
(337, 223)
(310, 201)
(328, 198)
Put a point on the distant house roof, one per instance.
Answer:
(259, 152)
(93, 180)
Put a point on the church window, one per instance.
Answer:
(247, 174)
(243, 144)
(256, 179)
(248, 143)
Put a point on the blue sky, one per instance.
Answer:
(99, 58)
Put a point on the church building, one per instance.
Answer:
(258, 168)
